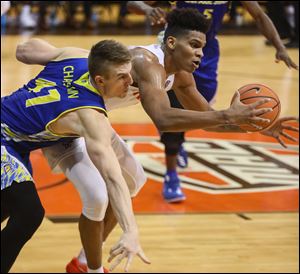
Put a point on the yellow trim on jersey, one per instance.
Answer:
(67, 111)
(73, 57)
(85, 82)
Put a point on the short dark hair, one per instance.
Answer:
(105, 53)
(180, 21)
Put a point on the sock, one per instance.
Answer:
(99, 270)
(81, 257)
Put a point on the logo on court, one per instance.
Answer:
(224, 166)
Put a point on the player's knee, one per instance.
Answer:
(94, 207)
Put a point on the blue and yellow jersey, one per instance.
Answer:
(62, 87)
(214, 10)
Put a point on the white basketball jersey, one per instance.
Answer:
(133, 95)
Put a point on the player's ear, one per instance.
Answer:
(171, 42)
(99, 80)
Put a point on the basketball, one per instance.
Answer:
(251, 93)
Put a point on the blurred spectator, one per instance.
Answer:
(5, 5)
(122, 20)
(285, 16)
(48, 14)
(235, 16)
(276, 12)
(294, 41)
(27, 19)
(90, 20)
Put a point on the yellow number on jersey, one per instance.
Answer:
(208, 13)
(53, 95)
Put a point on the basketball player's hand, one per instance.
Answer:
(156, 15)
(282, 55)
(277, 132)
(240, 113)
(127, 247)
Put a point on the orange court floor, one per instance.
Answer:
(226, 173)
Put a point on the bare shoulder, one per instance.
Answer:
(145, 64)
(141, 54)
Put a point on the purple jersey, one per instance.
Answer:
(214, 10)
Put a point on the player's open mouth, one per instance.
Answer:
(196, 63)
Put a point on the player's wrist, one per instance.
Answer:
(225, 117)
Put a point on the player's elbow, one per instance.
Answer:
(24, 51)
(164, 123)
(21, 53)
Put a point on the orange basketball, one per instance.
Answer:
(251, 93)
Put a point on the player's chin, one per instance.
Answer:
(123, 95)
(190, 70)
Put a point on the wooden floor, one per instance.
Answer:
(199, 243)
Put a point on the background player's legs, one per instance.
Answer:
(206, 80)
(25, 216)
(173, 144)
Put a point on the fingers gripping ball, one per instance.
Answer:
(253, 92)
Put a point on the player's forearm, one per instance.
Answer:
(120, 200)
(225, 128)
(193, 101)
(172, 119)
(118, 191)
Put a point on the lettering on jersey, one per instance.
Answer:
(68, 80)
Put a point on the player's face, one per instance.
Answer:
(188, 52)
(117, 83)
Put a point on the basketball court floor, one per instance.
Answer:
(241, 212)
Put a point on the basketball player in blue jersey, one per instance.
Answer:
(206, 74)
(155, 69)
(63, 102)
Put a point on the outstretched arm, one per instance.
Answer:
(267, 28)
(40, 52)
(188, 95)
(150, 78)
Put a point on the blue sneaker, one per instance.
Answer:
(182, 158)
(171, 190)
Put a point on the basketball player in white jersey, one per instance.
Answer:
(155, 69)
